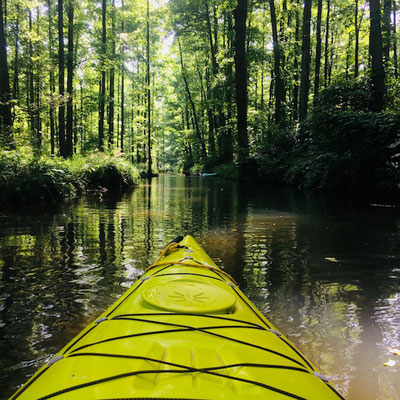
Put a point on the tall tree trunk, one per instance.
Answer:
(305, 61)
(386, 32)
(396, 73)
(15, 94)
(123, 83)
(103, 75)
(240, 14)
(229, 91)
(38, 121)
(318, 51)
(210, 37)
(70, 77)
(61, 83)
(5, 105)
(149, 160)
(376, 54)
(296, 64)
(357, 40)
(52, 83)
(31, 108)
(189, 95)
(326, 51)
(210, 115)
(262, 71)
(280, 91)
(112, 81)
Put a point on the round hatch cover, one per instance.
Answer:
(184, 296)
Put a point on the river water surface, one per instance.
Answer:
(326, 274)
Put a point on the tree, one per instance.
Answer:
(5, 95)
(280, 91)
(192, 104)
(149, 161)
(357, 39)
(240, 14)
(318, 51)
(305, 61)
(70, 77)
(103, 74)
(61, 79)
(123, 84)
(112, 79)
(376, 54)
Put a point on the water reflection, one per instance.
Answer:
(326, 274)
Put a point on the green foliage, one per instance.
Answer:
(347, 150)
(343, 96)
(227, 171)
(274, 153)
(28, 179)
(101, 171)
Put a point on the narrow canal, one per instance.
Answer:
(326, 274)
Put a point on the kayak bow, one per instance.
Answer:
(184, 330)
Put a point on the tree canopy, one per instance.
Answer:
(180, 84)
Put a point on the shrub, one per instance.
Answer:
(274, 153)
(25, 178)
(348, 151)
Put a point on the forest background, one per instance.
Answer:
(96, 93)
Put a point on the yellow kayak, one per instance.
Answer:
(184, 330)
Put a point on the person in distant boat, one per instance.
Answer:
(198, 173)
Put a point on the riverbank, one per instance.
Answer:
(26, 178)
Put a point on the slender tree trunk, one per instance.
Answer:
(52, 83)
(280, 91)
(229, 91)
(396, 73)
(38, 121)
(5, 95)
(112, 81)
(296, 65)
(189, 95)
(318, 51)
(70, 77)
(211, 136)
(326, 52)
(305, 61)
(262, 73)
(240, 14)
(31, 107)
(15, 94)
(123, 84)
(61, 83)
(331, 55)
(210, 37)
(386, 32)
(103, 75)
(149, 160)
(81, 128)
(357, 40)
(376, 53)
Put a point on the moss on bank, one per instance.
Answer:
(29, 179)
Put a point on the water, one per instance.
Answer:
(326, 274)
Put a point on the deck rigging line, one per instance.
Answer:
(221, 276)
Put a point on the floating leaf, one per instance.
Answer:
(331, 259)
(390, 363)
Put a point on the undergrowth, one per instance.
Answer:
(26, 178)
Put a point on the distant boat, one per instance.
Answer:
(205, 174)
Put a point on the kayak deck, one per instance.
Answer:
(184, 330)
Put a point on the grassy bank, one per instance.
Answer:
(26, 178)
